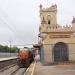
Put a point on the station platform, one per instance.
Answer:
(54, 69)
(60, 69)
(8, 58)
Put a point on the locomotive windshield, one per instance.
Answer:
(24, 49)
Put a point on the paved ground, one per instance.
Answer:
(54, 69)
(63, 69)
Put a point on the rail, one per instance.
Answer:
(7, 61)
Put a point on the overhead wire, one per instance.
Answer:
(8, 26)
(6, 23)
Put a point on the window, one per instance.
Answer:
(48, 18)
(48, 21)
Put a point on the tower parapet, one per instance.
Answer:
(50, 9)
(56, 28)
(40, 6)
(73, 23)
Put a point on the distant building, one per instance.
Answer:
(57, 42)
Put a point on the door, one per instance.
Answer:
(60, 52)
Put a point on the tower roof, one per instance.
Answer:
(73, 21)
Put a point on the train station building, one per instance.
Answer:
(57, 42)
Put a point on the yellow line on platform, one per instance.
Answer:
(32, 71)
(33, 68)
(26, 71)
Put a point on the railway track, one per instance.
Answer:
(16, 70)
(4, 62)
(7, 67)
(19, 71)
(13, 70)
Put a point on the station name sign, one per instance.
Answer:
(60, 36)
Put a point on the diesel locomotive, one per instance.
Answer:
(25, 57)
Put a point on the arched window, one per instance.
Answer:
(48, 21)
(48, 18)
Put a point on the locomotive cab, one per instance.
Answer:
(25, 57)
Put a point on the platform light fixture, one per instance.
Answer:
(42, 35)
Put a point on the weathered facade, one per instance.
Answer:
(57, 42)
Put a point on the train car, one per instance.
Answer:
(25, 57)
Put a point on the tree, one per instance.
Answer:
(14, 49)
(1, 48)
(8, 49)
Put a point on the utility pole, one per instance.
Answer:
(10, 47)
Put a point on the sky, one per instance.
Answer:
(20, 20)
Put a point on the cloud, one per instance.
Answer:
(22, 18)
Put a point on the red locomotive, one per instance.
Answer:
(25, 57)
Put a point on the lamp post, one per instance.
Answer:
(10, 46)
